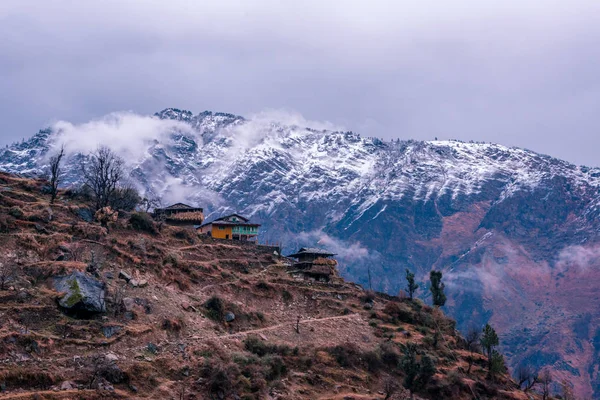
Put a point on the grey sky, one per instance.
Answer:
(516, 72)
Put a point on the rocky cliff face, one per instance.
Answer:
(515, 232)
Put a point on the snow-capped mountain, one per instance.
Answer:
(516, 232)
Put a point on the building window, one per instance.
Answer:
(222, 228)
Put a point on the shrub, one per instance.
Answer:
(262, 285)
(173, 325)
(276, 367)
(389, 355)
(221, 379)
(256, 346)
(142, 221)
(185, 234)
(346, 354)
(16, 212)
(372, 361)
(287, 296)
(124, 199)
(216, 308)
(399, 313)
(368, 297)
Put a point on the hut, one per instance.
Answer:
(314, 263)
(180, 214)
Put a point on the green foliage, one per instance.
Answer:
(16, 212)
(437, 288)
(489, 340)
(412, 285)
(497, 365)
(142, 221)
(215, 308)
(124, 199)
(418, 371)
(256, 346)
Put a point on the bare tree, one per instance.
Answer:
(545, 380)
(527, 377)
(150, 202)
(102, 175)
(472, 343)
(55, 173)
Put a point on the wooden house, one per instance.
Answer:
(180, 214)
(315, 263)
(231, 227)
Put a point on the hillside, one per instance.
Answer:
(515, 232)
(164, 334)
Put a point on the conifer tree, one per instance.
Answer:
(437, 288)
(412, 285)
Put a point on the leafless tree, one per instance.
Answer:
(527, 377)
(56, 173)
(472, 343)
(544, 381)
(297, 326)
(102, 174)
(150, 202)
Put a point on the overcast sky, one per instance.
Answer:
(516, 72)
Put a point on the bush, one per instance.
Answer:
(16, 212)
(347, 354)
(216, 308)
(276, 367)
(256, 346)
(399, 313)
(221, 379)
(185, 234)
(262, 285)
(287, 296)
(372, 361)
(142, 221)
(173, 325)
(124, 199)
(389, 355)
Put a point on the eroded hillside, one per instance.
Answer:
(192, 318)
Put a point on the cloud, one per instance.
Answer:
(514, 72)
(578, 258)
(126, 133)
(345, 251)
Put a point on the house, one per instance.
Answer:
(180, 214)
(231, 227)
(314, 263)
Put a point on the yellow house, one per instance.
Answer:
(230, 227)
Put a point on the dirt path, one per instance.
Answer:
(273, 327)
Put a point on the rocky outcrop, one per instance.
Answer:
(82, 293)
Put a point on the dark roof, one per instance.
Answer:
(311, 250)
(178, 206)
(220, 221)
(232, 215)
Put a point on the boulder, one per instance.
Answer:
(83, 293)
(124, 275)
(67, 385)
(128, 304)
(229, 317)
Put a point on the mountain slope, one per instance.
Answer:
(515, 232)
(189, 317)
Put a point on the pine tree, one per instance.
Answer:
(412, 285)
(437, 288)
(489, 340)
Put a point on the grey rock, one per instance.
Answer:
(152, 348)
(86, 214)
(124, 275)
(229, 317)
(83, 293)
(128, 304)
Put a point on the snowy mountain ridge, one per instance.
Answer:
(516, 233)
